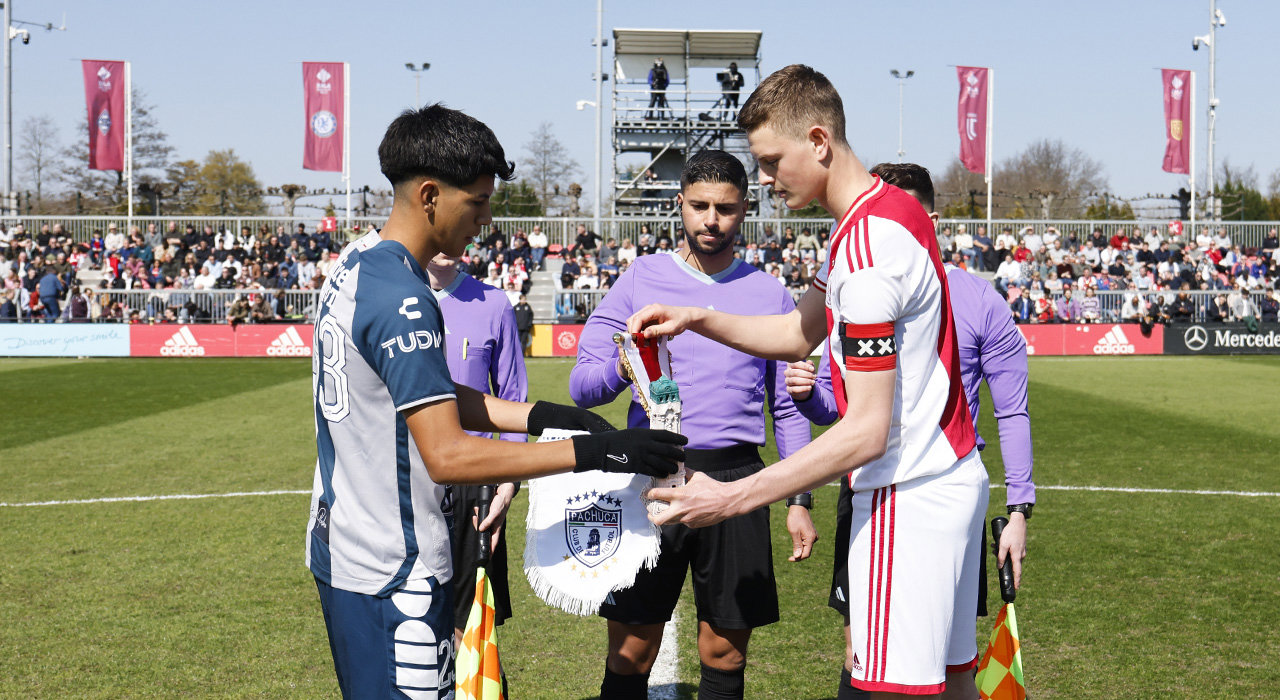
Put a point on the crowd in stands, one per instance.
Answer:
(42, 272)
(1052, 277)
(1047, 276)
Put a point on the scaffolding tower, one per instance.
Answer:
(692, 120)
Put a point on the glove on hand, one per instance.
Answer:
(545, 414)
(632, 451)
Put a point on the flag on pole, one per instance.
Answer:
(479, 673)
(1000, 671)
(104, 96)
(1177, 118)
(972, 117)
(324, 87)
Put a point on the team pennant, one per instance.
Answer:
(588, 535)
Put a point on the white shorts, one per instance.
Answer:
(913, 577)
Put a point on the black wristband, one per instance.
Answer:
(1024, 508)
(802, 499)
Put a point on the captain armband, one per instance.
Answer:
(868, 347)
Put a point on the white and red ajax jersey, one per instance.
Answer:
(888, 308)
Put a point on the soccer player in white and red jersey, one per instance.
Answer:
(904, 437)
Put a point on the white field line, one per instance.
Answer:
(664, 675)
(139, 499)
(1186, 492)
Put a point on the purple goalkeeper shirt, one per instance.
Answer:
(991, 348)
(723, 391)
(482, 345)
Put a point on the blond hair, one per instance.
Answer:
(792, 100)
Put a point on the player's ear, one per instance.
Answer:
(679, 200)
(820, 141)
(427, 194)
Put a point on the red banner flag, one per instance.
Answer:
(1177, 120)
(972, 115)
(104, 87)
(325, 91)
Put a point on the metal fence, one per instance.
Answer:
(561, 231)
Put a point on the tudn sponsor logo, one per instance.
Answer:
(182, 344)
(1115, 342)
(416, 340)
(289, 344)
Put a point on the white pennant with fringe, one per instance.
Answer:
(588, 534)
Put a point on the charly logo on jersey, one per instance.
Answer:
(104, 123)
(416, 340)
(593, 527)
(104, 79)
(404, 308)
(324, 124)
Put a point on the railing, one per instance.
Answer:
(562, 230)
(571, 305)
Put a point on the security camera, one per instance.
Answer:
(1220, 18)
(15, 33)
(1197, 41)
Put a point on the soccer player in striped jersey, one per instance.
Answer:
(390, 421)
(991, 350)
(880, 307)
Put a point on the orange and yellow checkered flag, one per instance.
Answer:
(479, 674)
(1000, 671)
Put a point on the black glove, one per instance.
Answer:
(630, 451)
(545, 414)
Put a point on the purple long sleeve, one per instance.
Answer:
(820, 407)
(991, 348)
(483, 347)
(723, 391)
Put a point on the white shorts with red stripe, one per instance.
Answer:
(913, 577)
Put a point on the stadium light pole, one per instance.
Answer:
(1216, 19)
(417, 82)
(600, 77)
(10, 33)
(902, 80)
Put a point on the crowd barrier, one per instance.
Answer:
(561, 340)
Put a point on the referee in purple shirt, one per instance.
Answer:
(991, 349)
(724, 394)
(483, 352)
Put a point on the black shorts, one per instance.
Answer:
(838, 600)
(466, 550)
(732, 561)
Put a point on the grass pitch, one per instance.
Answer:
(1126, 595)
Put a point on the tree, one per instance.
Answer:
(516, 199)
(227, 185)
(151, 150)
(38, 155)
(1241, 200)
(1051, 177)
(550, 168)
(951, 192)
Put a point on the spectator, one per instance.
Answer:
(1131, 311)
(586, 241)
(537, 247)
(261, 311)
(1218, 311)
(1222, 241)
(51, 288)
(8, 308)
(1270, 305)
(239, 311)
(1182, 310)
(524, 320)
(946, 241)
(806, 240)
(1069, 309)
(115, 240)
(964, 246)
(1024, 308)
(1090, 306)
(731, 82)
(626, 252)
(1032, 240)
(983, 249)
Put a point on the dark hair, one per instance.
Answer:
(792, 100)
(911, 177)
(442, 143)
(714, 166)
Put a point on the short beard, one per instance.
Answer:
(691, 240)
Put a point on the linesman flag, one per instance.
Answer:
(104, 98)
(1177, 120)
(1000, 671)
(478, 671)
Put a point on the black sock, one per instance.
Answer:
(616, 686)
(847, 691)
(721, 685)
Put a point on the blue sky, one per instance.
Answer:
(227, 74)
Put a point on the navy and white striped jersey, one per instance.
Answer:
(377, 519)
